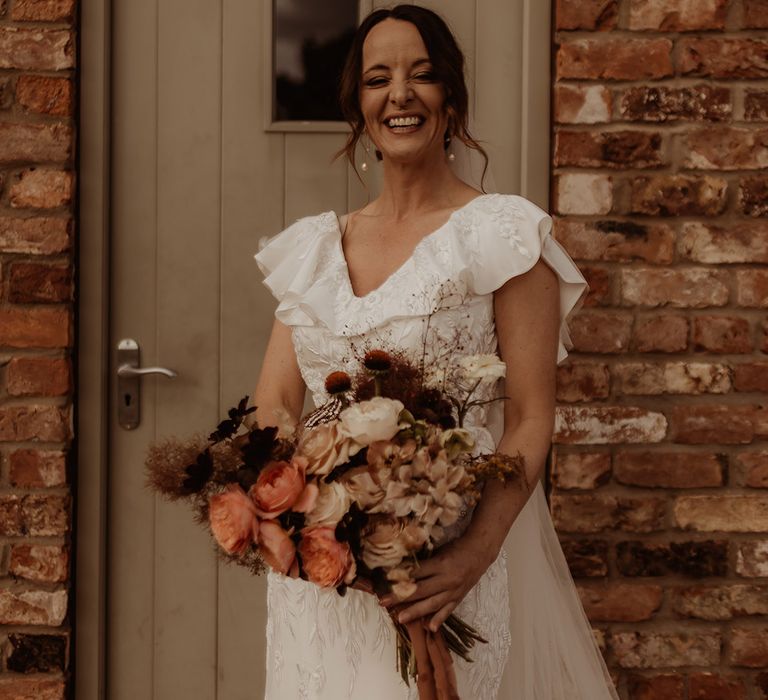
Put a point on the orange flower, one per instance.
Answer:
(232, 516)
(277, 548)
(326, 561)
(282, 485)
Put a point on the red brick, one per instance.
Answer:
(620, 602)
(752, 288)
(44, 95)
(755, 466)
(42, 189)
(37, 468)
(614, 59)
(664, 687)
(45, 563)
(668, 469)
(752, 558)
(37, 235)
(45, 515)
(726, 148)
(715, 424)
(600, 425)
(617, 241)
(37, 653)
(31, 327)
(710, 686)
(586, 558)
(697, 559)
(645, 378)
(749, 647)
(35, 143)
(583, 193)
(11, 523)
(723, 58)
(597, 512)
(582, 104)
(720, 602)
(600, 331)
(44, 423)
(756, 105)
(751, 376)
(661, 104)
(764, 337)
(33, 607)
(600, 281)
(677, 15)
(586, 14)
(43, 10)
(721, 334)
(660, 333)
(581, 470)
(756, 14)
(722, 513)
(39, 282)
(582, 381)
(753, 195)
(38, 376)
(651, 649)
(17, 687)
(680, 288)
(611, 149)
(678, 195)
(36, 49)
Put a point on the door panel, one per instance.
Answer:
(197, 182)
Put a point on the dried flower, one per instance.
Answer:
(377, 361)
(337, 383)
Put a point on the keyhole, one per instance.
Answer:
(127, 399)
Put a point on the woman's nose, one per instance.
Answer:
(400, 93)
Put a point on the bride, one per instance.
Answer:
(373, 277)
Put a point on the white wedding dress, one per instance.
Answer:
(321, 646)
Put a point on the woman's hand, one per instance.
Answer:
(442, 582)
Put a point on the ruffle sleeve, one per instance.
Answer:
(509, 235)
(290, 262)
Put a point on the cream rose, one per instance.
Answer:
(325, 447)
(482, 367)
(388, 542)
(332, 503)
(372, 420)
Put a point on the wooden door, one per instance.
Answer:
(197, 182)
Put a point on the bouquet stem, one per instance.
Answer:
(427, 655)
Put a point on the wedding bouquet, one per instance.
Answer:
(368, 486)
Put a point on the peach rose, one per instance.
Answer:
(389, 542)
(325, 447)
(277, 548)
(282, 485)
(232, 516)
(326, 561)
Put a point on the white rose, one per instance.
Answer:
(482, 367)
(372, 420)
(332, 503)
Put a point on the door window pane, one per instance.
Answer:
(311, 40)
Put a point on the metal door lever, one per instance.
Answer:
(129, 375)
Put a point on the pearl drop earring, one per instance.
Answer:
(364, 167)
(451, 157)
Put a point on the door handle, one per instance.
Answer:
(129, 375)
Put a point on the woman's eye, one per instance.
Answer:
(375, 82)
(428, 76)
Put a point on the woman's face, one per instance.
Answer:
(401, 102)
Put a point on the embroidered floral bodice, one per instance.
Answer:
(322, 645)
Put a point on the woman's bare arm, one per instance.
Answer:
(280, 388)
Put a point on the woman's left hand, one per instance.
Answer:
(442, 582)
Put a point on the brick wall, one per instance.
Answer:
(37, 58)
(660, 185)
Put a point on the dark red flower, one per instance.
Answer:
(337, 383)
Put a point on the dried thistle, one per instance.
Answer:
(506, 468)
(337, 383)
(377, 361)
(167, 461)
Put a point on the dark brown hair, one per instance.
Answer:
(447, 64)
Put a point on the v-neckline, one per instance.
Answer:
(409, 259)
